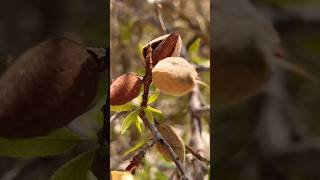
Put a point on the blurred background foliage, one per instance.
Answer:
(25, 23)
(235, 127)
(133, 24)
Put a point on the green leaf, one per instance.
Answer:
(127, 121)
(199, 60)
(139, 124)
(154, 96)
(154, 110)
(148, 114)
(194, 47)
(134, 148)
(157, 113)
(160, 176)
(57, 142)
(125, 107)
(75, 169)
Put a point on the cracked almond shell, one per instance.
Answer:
(124, 89)
(174, 76)
(168, 45)
(46, 88)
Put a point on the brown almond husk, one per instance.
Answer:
(168, 45)
(46, 88)
(170, 134)
(124, 89)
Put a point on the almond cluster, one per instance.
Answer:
(172, 74)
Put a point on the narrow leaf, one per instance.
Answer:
(134, 148)
(127, 121)
(125, 107)
(157, 113)
(154, 110)
(139, 124)
(154, 96)
(148, 114)
(55, 143)
(194, 47)
(75, 169)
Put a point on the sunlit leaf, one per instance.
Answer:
(194, 47)
(154, 96)
(125, 107)
(134, 148)
(148, 114)
(200, 60)
(139, 124)
(57, 142)
(127, 121)
(154, 110)
(157, 113)
(75, 169)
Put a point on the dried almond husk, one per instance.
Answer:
(168, 45)
(124, 89)
(46, 88)
(169, 133)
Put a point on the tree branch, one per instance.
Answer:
(197, 155)
(147, 79)
(136, 160)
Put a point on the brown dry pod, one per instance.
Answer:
(124, 89)
(170, 134)
(168, 45)
(46, 88)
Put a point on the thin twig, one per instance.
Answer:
(197, 155)
(203, 111)
(160, 19)
(136, 160)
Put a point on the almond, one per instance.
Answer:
(169, 133)
(174, 76)
(46, 88)
(168, 45)
(124, 89)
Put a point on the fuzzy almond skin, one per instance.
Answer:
(168, 45)
(174, 76)
(46, 88)
(170, 134)
(124, 89)
(121, 175)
